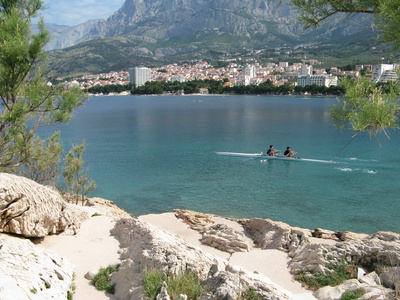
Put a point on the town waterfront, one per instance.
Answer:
(156, 153)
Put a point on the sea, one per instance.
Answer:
(152, 154)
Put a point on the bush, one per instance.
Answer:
(353, 294)
(342, 271)
(250, 294)
(152, 282)
(186, 283)
(102, 280)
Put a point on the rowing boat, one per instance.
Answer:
(264, 156)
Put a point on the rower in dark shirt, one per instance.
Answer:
(271, 151)
(289, 153)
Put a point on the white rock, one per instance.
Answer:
(224, 238)
(334, 293)
(90, 275)
(163, 295)
(152, 248)
(33, 210)
(30, 272)
(370, 279)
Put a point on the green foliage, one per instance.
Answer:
(189, 87)
(353, 294)
(367, 107)
(70, 295)
(185, 283)
(75, 177)
(112, 88)
(341, 272)
(217, 87)
(27, 101)
(102, 280)
(385, 13)
(152, 282)
(43, 164)
(250, 294)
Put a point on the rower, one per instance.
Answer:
(289, 153)
(271, 151)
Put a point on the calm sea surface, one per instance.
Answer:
(156, 153)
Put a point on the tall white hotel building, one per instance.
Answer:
(139, 75)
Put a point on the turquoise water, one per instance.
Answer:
(156, 153)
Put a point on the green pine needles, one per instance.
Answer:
(27, 101)
(74, 175)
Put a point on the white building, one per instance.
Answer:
(250, 70)
(284, 64)
(320, 80)
(383, 73)
(306, 69)
(139, 75)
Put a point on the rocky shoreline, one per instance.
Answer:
(229, 256)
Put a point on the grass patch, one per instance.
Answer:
(342, 271)
(152, 282)
(185, 283)
(251, 294)
(69, 295)
(102, 280)
(353, 294)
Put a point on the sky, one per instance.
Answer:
(74, 12)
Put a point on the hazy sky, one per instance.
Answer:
(73, 12)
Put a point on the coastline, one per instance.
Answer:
(93, 247)
(305, 95)
(76, 240)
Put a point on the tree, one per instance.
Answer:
(365, 107)
(75, 177)
(28, 102)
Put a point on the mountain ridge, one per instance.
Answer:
(158, 31)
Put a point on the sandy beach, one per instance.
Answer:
(93, 247)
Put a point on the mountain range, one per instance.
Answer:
(153, 32)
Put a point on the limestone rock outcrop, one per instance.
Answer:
(148, 247)
(196, 220)
(372, 287)
(379, 249)
(224, 238)
(30, 272)
(268, 234)
(107, 208)
(33, 210)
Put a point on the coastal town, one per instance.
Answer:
(308, 72)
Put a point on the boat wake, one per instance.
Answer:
(357, 170)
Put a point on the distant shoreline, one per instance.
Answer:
(222, 95)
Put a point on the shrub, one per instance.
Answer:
(251, 294)
(341, 272)
(353, 294)
(102, 280)
(152, 282)
(185, 283)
